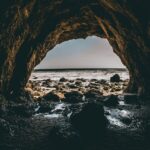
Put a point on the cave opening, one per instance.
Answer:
(75, 114)
(81, 65)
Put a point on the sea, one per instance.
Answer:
(72, 74)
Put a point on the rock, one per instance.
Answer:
(81, 79)
(26, 109)
(3, 106)
(73, 97)
(72, 86)
(131, 98)
(45, 106)
(115, 78)
(5, 128)
(102, 81)
(90, 122)
(93, 93)
(78, 83)
(126, 120)
(51, 96)
(93, 80)
(63, 80)
(111, 100)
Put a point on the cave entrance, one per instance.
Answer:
(83, 65)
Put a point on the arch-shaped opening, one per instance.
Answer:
(81, 63)
(35, 27)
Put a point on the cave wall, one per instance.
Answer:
(30, 28)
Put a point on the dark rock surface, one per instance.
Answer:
(90, 121)
(111, 100)
(115, 78)
(51, 96)
(73, 97)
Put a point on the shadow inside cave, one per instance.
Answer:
(76, 109)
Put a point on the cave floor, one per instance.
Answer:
(128, 128)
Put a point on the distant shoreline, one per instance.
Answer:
(80, 69)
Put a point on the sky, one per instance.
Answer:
(92, 52)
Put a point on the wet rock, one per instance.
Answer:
(22, 109)
(102, 81)
(126, 120)
(90, 121)
(78, 83)
(93, 80)
(72, 86)
(73, 97)
(115, 78)
(44, 106)
(5, 128)
(111, 100)
(131, 98)
(3, 106)
(51, 96)
(63, 80)
(81, 79)
(93, 93)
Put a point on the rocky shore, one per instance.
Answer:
(86, 87)
(74, 115)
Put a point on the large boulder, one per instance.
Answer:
(111, 101)
(73, 97)
(115, 78)
(93, 93)
(51, 96)
(90, 121)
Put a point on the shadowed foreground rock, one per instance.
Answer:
(29, 29)
(90, 121)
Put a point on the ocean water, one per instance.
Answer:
(79, 73)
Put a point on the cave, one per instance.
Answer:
(29, 29)
(35, 27)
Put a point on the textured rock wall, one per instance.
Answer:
(30, 28)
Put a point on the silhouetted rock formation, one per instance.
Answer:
(29, 29)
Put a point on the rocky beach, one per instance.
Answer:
(83, 114)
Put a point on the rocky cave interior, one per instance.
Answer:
(28, 30)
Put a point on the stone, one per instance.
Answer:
(51, 96)
(111, 101)
(93, 93)
(26, 109)
(63, 80)
(73, 97)
(115, 78)
(44, 106)
(90, 121)
(131, 98)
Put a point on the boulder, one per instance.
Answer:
(73, 97)
(111, 101)
(115, 78)
(131, 98)
(45, 106)
(90, 121)
(63, 79)
(51, 96)
(93, 93)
